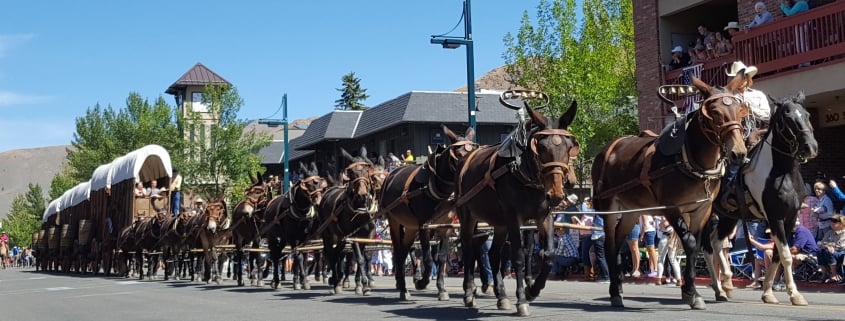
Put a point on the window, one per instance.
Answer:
(197, 104)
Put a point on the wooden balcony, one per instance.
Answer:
(816, 36)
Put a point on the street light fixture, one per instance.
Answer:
(454, 43)
(276, 123)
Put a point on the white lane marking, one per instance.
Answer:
(61, 288)
(38, 278)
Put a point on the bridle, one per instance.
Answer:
(782, 129)
(308, 211)
(718, 135)
(556, 137)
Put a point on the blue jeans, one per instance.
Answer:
(486, 271)
(561, 263)
(175, 202)
(584, 247)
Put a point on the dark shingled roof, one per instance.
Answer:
(338, 124)
(273, 153)
(412, 107)
(198, 75)
(433, 107)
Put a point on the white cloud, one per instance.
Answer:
(8, 98)
(10, 41)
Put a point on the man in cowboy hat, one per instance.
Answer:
(758, 118)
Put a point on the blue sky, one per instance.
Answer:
(59, 58)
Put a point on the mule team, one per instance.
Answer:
(506, 186)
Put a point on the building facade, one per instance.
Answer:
(803, 52)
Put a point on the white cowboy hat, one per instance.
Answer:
(572, 198)
(677, 49)
(732, 25)
(199, 200)
(738, 66)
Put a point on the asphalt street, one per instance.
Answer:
(28, 295)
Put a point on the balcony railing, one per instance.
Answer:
(814, 37)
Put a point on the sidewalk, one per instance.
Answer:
(741, 283)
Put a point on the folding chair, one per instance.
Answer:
(740, 265)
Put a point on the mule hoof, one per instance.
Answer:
(421, 284)
(241, 283)
(469, 302)
(798, 299)
(346, 284)
(296, 286)
(720, 298)
(359, 290)
(443, 296)
(503, 304)
(698, 304)
(485, 289)
(367, 291)
(688, 299)
(306, 286)
(275, 285)
(729, 293)
(338, 289)
(522, 310)
(769, 298)
(616, 302)
(318, 279)
(404, 296)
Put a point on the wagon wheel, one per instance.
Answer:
(525, 96)
(681, 90)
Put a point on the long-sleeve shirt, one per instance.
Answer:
(824, 210)
(760, 19)
(797, 7)
(836, 238)
(566, 246)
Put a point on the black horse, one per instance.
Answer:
(506, 186)
(289, 220)
(414, 195)
(347, 212)
(247, 216)
(773, 181)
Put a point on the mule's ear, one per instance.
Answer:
(251, 179)
(536, 117)
(346, 155)
(800, 98)
(314, 170)
(470, 133)
(705, 89)
(568, 116)
(737, 81)
(449, 133)
(381, 161)
(302, 167)
(364, 154)
(330, 180)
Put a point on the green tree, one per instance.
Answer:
(104, 134)
(351, 94)
(24, 218)
(590, 59)
(62, 182)
(223, 155)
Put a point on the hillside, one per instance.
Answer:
(20, 167)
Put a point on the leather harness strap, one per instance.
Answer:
(489, 180)
(406, 195)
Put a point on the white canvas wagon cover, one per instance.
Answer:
(145, 164)
(51, 209)
(100, 179)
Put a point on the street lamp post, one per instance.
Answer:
(454, 43)
(276, 123)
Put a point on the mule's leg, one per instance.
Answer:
(400, 253)
(297, 263)
(712, 247)
(497, 265)
(426, 259)
(239, 263)
(544, 233)
(614, 237)
(443, 247)
(691, 247)
(727, 226)
(468, 224)
(518, 259)
(362, 286)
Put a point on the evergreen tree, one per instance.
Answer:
(351, 94)
(24, 217)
